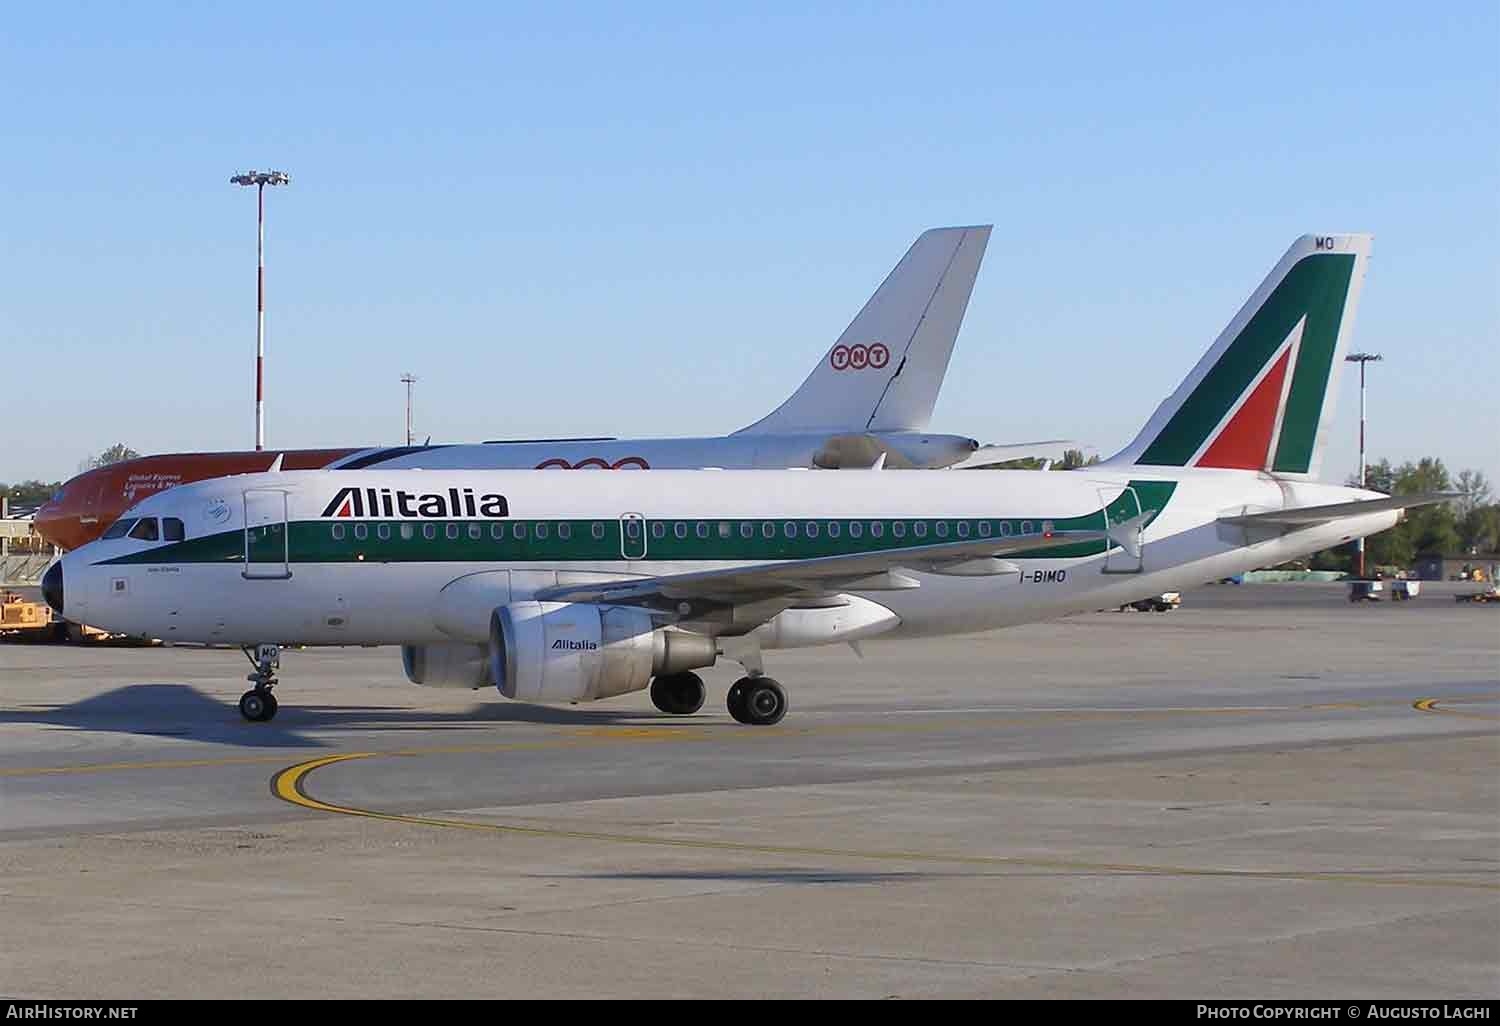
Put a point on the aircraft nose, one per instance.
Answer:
(52, 587)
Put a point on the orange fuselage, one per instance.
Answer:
(84, 508)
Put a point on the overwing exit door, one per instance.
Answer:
(632, 536)
(1123, 522)
(267, 544)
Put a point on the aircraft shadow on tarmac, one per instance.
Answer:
(774, 876)
(182, 711)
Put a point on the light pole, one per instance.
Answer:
(260, 179)
(1361, 359)
(410, 379)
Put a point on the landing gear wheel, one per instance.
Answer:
(680, 694)
(258, 706)
(735, 700)
(758, 701)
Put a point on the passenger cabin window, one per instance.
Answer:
(145, 529)
(172, 529)
(119, 529)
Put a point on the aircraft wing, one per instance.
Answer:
(1309, 515)
(790, 578)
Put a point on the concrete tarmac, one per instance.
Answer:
(1270, 793)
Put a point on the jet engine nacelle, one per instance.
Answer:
(580, 652)
(447, 666)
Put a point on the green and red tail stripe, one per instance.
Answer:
(1262, 396)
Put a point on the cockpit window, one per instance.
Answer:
(119, 528)
(172, 529)
(145, 530)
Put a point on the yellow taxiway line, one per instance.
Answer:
(290, 785)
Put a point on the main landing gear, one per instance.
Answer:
(258, 704)
(680, 694)
(758, 701)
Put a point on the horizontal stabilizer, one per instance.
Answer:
(989, 455)
(1308, 515)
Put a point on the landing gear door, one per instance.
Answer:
(632, 536)
(267, 548)
(1122, 519)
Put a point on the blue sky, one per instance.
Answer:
(611, 219)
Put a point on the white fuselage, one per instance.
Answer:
(407, 587)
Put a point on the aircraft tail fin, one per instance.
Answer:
(1262, 397)
(884, 372)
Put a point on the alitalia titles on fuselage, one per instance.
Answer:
(389, 503)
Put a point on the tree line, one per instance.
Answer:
(1469, 524)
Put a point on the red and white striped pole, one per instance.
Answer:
(260, 179)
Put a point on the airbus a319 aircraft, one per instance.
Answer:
(575, 587)
(870, 396)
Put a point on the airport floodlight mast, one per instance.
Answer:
(1361, 359)
(260, 179)
(409, 379)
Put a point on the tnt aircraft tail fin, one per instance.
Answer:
(1262, 397)
(884, 372)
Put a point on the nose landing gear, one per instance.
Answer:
(258, 705)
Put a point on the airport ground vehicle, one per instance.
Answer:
(18, 617)
(1163, 603)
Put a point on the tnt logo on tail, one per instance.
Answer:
(858, 357)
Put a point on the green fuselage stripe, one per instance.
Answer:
(521, 540)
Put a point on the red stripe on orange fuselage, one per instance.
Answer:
(86, 506)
